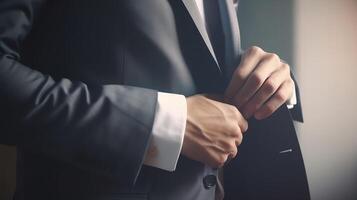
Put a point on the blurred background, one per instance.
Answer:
(319, 40)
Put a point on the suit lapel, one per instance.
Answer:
(230, 29)
(196, 18)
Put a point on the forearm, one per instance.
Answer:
(105, 128)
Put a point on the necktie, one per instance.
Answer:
(214, 28)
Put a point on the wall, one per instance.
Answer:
(268, 24)
(326, 60)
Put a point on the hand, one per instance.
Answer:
(213, 130)
(260, 84)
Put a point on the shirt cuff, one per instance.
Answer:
(293, 100)
(168, 131)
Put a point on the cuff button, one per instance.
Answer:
(209, 181)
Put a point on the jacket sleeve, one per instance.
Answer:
(102, 128)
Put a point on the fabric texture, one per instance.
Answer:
(80, 81)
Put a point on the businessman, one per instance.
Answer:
(138, 99)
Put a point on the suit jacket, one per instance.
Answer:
(78, 85)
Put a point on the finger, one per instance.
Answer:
(249, 60)
(240, 123)
(234, 151)
(266, 91)
(263, 70)
(238, 140)
(218, 160)
(237, 135)
(230, 158)
(278, 99)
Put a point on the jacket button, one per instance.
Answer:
(209, 181)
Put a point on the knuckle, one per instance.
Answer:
(244, 126)
(232, 146)
(286, 67)
(234, 151)
(239, 140)
(241, 127)
(291, 82)
(270, 109)
(237, 114)
(234, 129)
(270, 86)
(257, 79)
(233, 111)
(281, 96)
(232, 108)
(239, 74)
(255, 50)
(274, 56)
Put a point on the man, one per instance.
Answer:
(130, 99)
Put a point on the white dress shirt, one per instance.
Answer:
(168, 131)
(170, 124)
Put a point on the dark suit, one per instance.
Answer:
(78, 86)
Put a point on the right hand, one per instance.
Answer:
(213, 130)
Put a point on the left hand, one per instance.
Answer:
(260, 84)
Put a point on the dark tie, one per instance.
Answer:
(215, 28)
